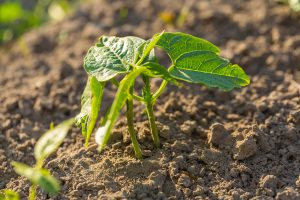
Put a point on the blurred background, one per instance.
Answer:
(19, 16)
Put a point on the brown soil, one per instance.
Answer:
(244, 144)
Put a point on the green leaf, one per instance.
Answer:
(82, 118)
(40, 177)
(155, 70)
(208, 68)
(103, 133)
(146, 51)
(176, 44)
(112, 56)
(91, 102)
(51, 140)
(9, 195)
(196, 60)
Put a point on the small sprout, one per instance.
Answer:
(44, 147)
(9, 195)
(194, 60)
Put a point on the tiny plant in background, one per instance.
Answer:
(45, 146)
(194, 60)
(9, 195)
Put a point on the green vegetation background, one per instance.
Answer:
(18, 16)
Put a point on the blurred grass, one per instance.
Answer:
(19, 16)
(294, 4)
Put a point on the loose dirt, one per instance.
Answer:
(244, 144)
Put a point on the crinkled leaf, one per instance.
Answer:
(91, 102)
(51, 140)
(40, 177)
(112, 56)
(103, 133)
(157, 71)
(209, 69)
(9, 195)
(176, 44)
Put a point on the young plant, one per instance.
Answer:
(44, 147)
(194, 60)
(8, 195)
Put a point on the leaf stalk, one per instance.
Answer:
(131, 130)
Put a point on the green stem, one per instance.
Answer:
(131, 130)
(150, 113)
(32, 192)
(135, 96)
(160, 90)
(114, 82)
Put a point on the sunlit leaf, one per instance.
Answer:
(112, 56)
(196, 60)
(208, 68)
(91, 102)
(40, 177)
(176, 44)
(51, 140)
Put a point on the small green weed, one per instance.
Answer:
(37, 175)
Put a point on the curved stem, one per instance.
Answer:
(160, 90)
(153, 127)
(136, 97)
(131, 130)
(115, 82)
(149, 107)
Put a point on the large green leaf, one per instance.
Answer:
(176, 44)
(51, 140)
(196, 60)
(40, 177)
(112, 56)
(91, 102)
(103, 133)
(209, 69)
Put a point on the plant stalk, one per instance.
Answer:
(32, 192)
(131, 130)
(149, 108)
(160, 90)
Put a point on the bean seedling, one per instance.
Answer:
(194, 60)
(44, 147)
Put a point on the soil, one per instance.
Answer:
(244, 144)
